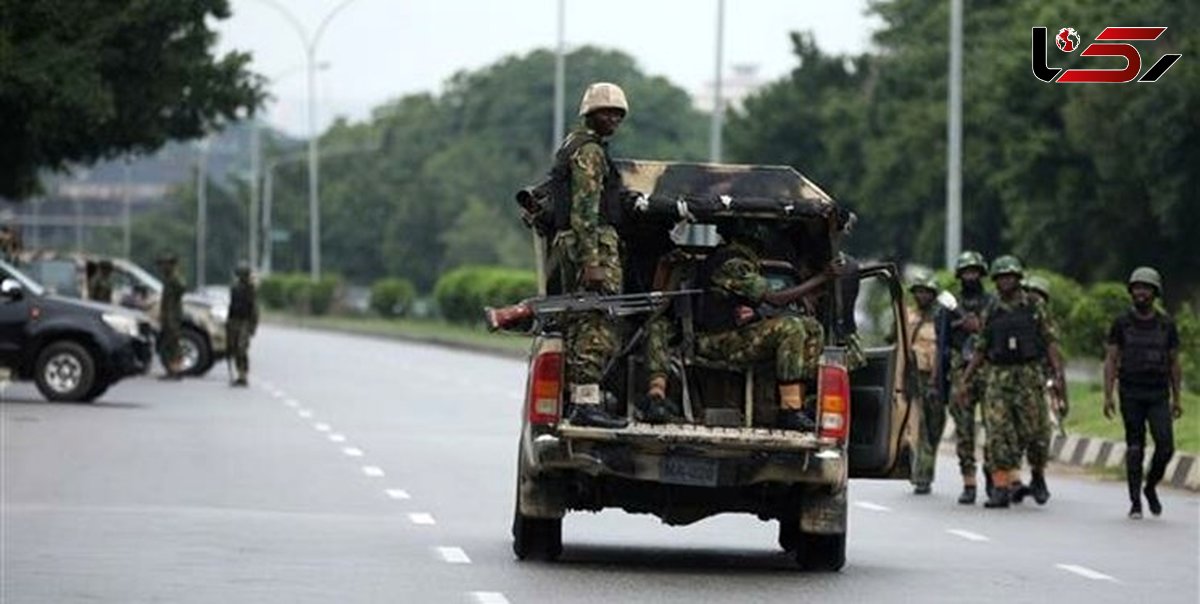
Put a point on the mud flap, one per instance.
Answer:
(823, 512)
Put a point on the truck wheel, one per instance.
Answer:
(821, 552)
(194, 353)
(789, 533)
(536, 538)
(97, 391)
(65, 371)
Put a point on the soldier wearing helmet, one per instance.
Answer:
(1142, 360)
(585, 193)
(1014, 343)
(243, 321)
(964, 326)
(922, 319)
(1037, 285)
(170, 316)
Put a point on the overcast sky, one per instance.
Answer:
(377, 50)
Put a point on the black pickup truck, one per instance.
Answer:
(73, 350)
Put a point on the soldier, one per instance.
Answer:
(1142, 353)
(729, 329)
(1016, 338)
(100, 285)
(1038, 288)
(10, 244)
(922, 319)
(964, 329)
(170, 316)
(243, 321)
(587, 250)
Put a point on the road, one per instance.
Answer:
(363, 470)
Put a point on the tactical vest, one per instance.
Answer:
(560, 183)
(960, 339)
(923, 338)
(716, 309)
(1013, 336)
(241, 301)
(1144, 351)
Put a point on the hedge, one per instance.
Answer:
(298, 292)
(462, 293)
(393, 297)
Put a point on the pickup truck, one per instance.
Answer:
(727, 457)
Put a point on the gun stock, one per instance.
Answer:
(508, 317)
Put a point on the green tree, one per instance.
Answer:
(82, 80)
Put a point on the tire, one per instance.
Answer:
(824, 553)
(97, 391)
(196, 353)
(536, 538)
(789, 534)
(65, 371)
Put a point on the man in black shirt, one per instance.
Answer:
(1142, 354)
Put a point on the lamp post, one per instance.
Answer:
(718, 114)
(559, 81)
(310, 57)
(954, 136)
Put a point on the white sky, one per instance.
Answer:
(381, 49)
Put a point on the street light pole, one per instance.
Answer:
(252, 211)
(560, 81)
(718, 114)
(954, 134)
(126, 200)
(202, 213)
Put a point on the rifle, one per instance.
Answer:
(517, 316)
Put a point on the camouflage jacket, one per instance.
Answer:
(589, 168)
(740, 275)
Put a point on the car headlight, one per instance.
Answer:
(122, 324)
(220, 312)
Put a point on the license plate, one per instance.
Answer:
(690, 471)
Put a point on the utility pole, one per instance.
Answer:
(201, 213)
(954, 136)
(255, 175)
(718, 113)
(126, 200)
(560, 80)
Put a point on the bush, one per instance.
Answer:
(271, 291)
(1188, 323)
(393, 297)
(462, 293)
(1086, 329)
(297, 292)
(322, 293)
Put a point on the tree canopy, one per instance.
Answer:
(82, 80)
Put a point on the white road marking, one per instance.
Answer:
(291, 402)
(1084, 571)
(337, 438)
(421, 518)
(373, 471)
(453, 555)
(968, 535)
(305, 413)
(489, 597)
(353, 452)
(319, 427)
(277, 393)
(397, 494)
(874, 507)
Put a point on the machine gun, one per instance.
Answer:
(519, 316)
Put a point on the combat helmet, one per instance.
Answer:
(1146, 276)
(970, 259)
(923, 281)
(603, 95)
(1038, 284)
(1007, 265)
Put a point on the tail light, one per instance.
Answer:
(545, 389)
(833, 392)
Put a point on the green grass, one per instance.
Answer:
(1087, 417)
(423, 330)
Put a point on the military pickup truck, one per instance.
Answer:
(727, 456)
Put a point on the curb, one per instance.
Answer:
(395, 337)
(1183, 471)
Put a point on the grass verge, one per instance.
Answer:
(1087, 417)
(418, 330)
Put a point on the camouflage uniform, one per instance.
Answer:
(923, 337)
(171, 316)
(100, 287)
(589, 242)
(1017, 419)
(242, 323)
(964, 414)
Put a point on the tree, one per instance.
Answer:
(82, 80)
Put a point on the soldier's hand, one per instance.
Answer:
(594, 277)
(1110, 408)
(971, 324)
(743, 315)
(1176, 409)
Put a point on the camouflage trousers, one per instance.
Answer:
(933, 424)
(1017, 419)
(794, 342)
(965, 429)
(591, 339)
(168, 342)
(237, 334)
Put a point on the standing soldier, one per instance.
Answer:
(922, 319)
(967, 396)
(1038, 289)
(1142, 353)
(100, 286)
(585, 193)
(170, 316)
(1017, 336)
(243, 321)
(10, 244)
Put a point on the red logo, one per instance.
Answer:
(1110, 43)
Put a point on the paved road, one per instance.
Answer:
(360, 470)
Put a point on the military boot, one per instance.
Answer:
(989, 485)
(968, 495)
(1037, 488)
(999, 498)
(1017, 492)
(1152, 500)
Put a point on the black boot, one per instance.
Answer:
(988, 484)
(1017, 492)
(999, 498)
(968, 495)
(1152, 499)
(1037, 488)
(594, 415)
(794, 419)
(922, 488)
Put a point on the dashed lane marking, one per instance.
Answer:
(1086, 572)
(353, 452)
(874, 507)
(422, 518)
(291, 402)
(320, 427)
(397, 494)
(373, 471)
(305, 413)
(453, 555)
(489, 597)
(968, 535)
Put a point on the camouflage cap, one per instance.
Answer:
(1007, 265)
(603, 95)
(1146, 276)
(970, 259)
(1038, 284)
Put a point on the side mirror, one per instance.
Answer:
(10, 289)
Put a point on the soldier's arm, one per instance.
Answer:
(1050, 337)
(1176, 373)
(1110, 378)
(253, 293)
(587, 182)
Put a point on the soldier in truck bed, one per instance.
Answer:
(729, 329)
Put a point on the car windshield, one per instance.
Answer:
(11, 272)
(140, 275)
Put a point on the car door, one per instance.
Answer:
(14, 317)
(883, 418)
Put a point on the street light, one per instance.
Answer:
(718, 114)
(310, 58)
(954, 136)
